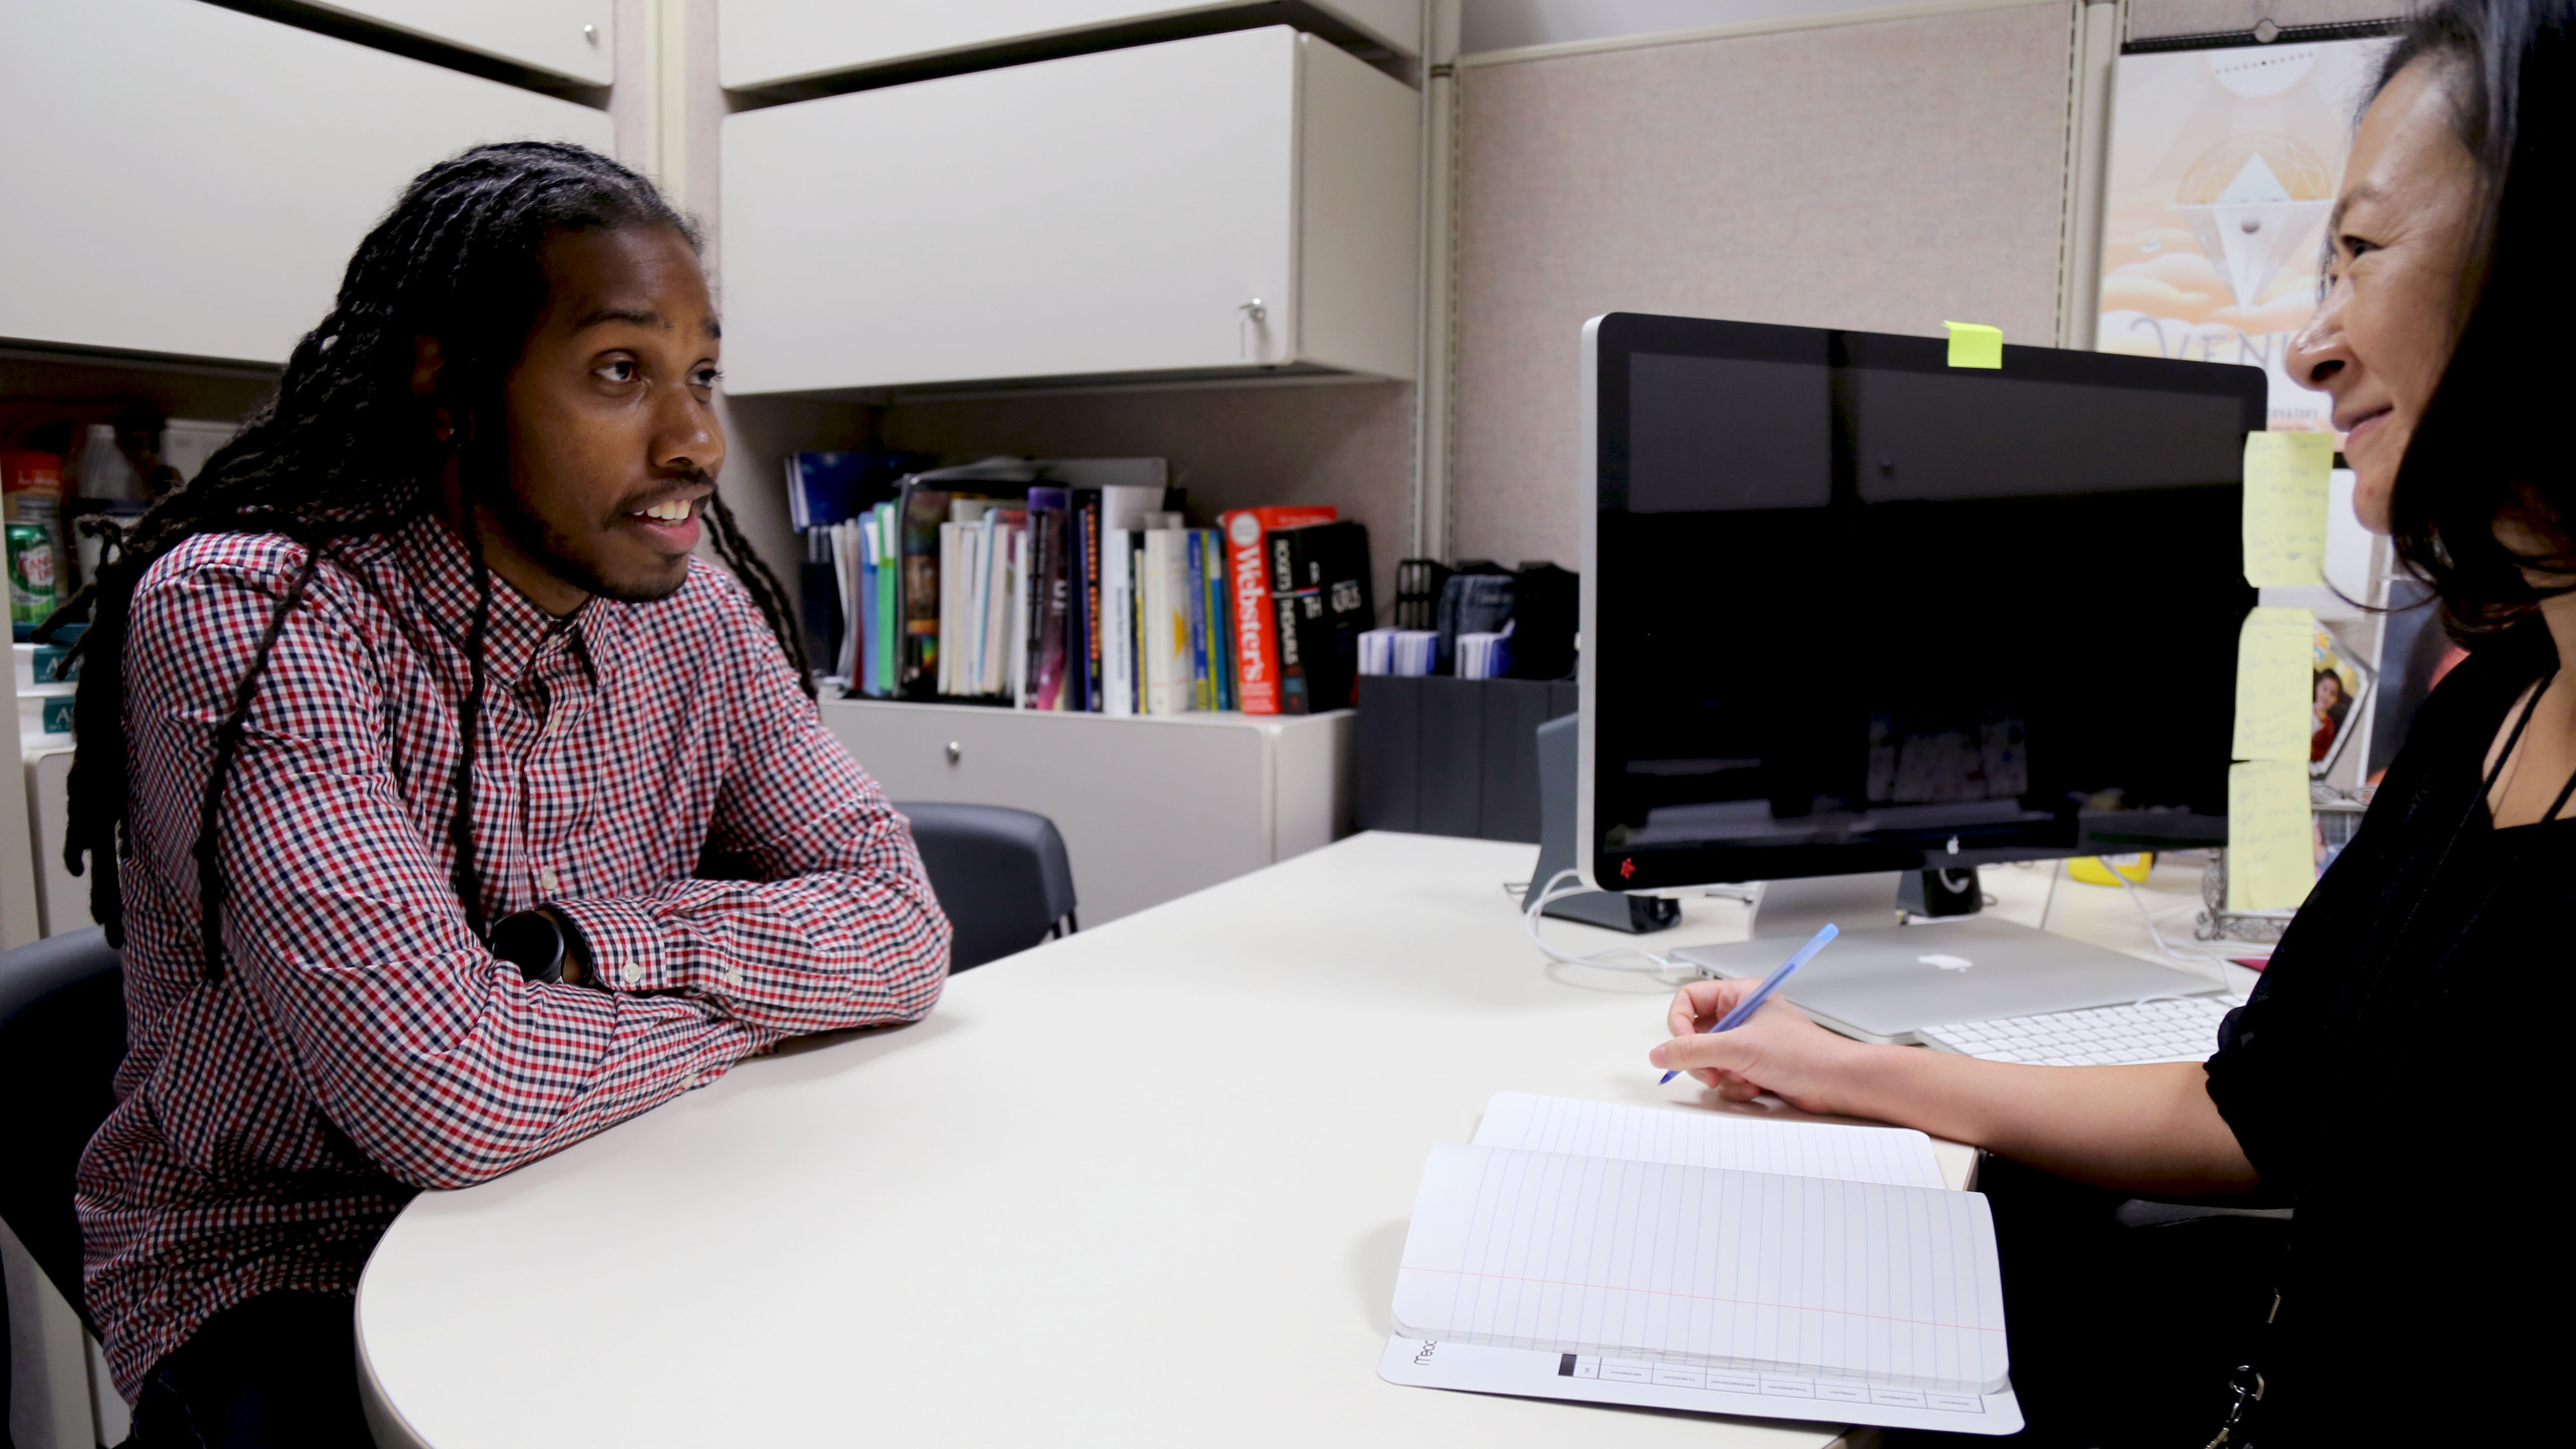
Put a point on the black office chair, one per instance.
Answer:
(1002, 876)
(62, 1032)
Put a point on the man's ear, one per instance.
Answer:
(427, 361)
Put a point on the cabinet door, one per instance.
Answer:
(187, 179)
(1150, 810)
(549, 35)
(1108, 213)
(762, 42)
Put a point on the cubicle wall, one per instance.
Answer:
(1882, 176)
(1861, 171)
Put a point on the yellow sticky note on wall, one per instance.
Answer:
(2285, 507)
(2275, 661)
(1973, 344)
(2271, 847)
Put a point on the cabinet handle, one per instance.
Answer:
(1251, 328)
(590, 33)
(955, 752)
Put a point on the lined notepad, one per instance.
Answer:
(1899, 1156)
(1844, 1258)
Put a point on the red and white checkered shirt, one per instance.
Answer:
(650, 770)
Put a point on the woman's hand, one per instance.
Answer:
(2146, 1129)
(1779, 1051)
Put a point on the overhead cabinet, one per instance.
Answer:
(765, 42)
(1231, 204)
(183, 178)
(567, 38)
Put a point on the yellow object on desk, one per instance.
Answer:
(2097, 869)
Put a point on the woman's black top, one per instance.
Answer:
(2398, 1078)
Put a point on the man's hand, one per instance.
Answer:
(1779, 1051)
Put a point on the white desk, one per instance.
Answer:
(1147, 1185)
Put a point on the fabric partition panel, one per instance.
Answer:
(1882, 176)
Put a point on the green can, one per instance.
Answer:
(31, 573)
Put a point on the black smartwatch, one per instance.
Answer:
(534, 942)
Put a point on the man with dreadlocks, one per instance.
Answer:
(448, 812)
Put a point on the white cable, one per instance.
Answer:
(2217, 962)
(1552, 893)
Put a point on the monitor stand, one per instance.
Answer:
(1800, 908)
(1884, 981)
(1612, 909)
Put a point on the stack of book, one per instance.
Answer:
(1079, 585)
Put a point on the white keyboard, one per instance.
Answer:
(2170, 1029)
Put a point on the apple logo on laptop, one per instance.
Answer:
(1946, 963)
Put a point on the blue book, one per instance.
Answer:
(1220, 616)
(863, 671)
(834, 487)
(1200, 696)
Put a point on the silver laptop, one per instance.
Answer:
(1886, 985)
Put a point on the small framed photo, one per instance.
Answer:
(2339, 702)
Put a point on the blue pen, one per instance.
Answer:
(1762, 993)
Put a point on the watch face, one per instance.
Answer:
(531, 941)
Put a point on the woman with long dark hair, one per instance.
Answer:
(2386, 1083)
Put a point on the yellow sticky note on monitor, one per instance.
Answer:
(2275, 664)
(2285, 507)
(2271, 846)
(1973, 344)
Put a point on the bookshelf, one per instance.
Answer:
(1152, 807)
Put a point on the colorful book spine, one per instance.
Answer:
(1137, 625)
(1171, 678)
(1047, 601)
(1324, 567)
(1251, 621)
(1117, 629)
(1220, 638)
(888, 636)
(867, 657)
(1290, 672)
(1194, 602)
(1084, 667)
(1016, 647)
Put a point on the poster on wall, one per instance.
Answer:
(2224, 166)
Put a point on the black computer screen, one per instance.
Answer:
(1853, 605)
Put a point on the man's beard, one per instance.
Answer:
(546, 546)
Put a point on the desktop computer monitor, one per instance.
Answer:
(1850, 609)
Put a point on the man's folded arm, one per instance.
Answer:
(436, 1058)
(832, 923)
